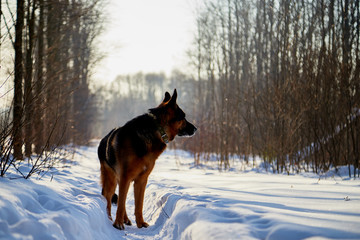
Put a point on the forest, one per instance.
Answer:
(52, 46)
(278, 79)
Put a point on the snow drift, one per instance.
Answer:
(182, 202)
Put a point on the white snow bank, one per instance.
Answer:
(67, 207)
(182, 203)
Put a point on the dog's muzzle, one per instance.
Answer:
(188, 130)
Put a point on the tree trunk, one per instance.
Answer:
(18, 78)
(39, 84)
(28, 98)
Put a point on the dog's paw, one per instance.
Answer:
(119, 226)
(109, 214)
(127, 222)
(142, 225)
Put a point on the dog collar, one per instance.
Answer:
(163, 134)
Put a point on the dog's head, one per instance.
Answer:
(172, 117)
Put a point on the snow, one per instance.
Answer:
(182, 202)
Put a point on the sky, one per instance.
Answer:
(147, 36)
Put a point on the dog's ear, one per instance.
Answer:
(173, 98)
(167, 97)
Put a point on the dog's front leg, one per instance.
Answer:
(139, 190)
(124, 184)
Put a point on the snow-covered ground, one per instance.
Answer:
(182, 202)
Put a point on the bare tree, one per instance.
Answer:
(47, 66)
(18, 79)
(28, 86)
(282, 80)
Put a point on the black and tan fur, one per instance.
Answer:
(128, 153)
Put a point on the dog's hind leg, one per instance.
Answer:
(108, 181)
(121, 216)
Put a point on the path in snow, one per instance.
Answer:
(182, 203)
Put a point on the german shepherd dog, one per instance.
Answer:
(128, 153)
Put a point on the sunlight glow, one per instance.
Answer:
(147, 36)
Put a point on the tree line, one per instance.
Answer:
(131, 95)
(52, 42)
(278, 79)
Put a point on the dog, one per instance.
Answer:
(128, 154)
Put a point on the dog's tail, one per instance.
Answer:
(106, 156)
